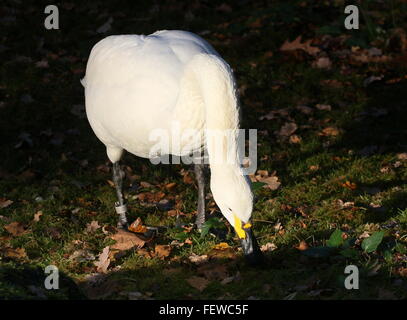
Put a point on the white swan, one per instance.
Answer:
(136, 84)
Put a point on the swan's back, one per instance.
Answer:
(132, 84)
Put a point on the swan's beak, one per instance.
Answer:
(250, 246)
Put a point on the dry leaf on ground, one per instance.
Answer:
(221, 246)
(302, 246)
(103, 263)
(194, 258)
(326, 107)
(126, 240)
(37, 216)
(322, 63)
(199, 283)
(288, 129)
(82, 255)
(330, 131)
(4, 203)
(213, 271)
(162, 251)
(92, 227)
(137, 226)
(268, 247)
(18, 253)
(295, 139)
(15, 228)
(298, 45)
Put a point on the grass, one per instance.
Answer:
(52, 162)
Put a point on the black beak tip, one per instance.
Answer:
(252, 252)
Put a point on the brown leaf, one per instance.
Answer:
(145, 184)
(325, 107)
(221, 246)
(302, 246)
(298, 45)
(170, 186)
(37, 216)
(349, 185)
(213, 271)
(103, 263)
(126, 240)
(162, 251)
(194, 258)
(305, 109)
(92, 227)
(271, 182)
(15, 228)
(4, 203)
(329, 131)
(199, 283)
(295, 139)
(322, 63)
(288, 129)
(137, 226)
(268, 247)
(188, 179)
(81, 255)
(18, 253)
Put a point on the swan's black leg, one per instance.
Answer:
(120, 205)
(199, 174)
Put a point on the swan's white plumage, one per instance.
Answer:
(135, 84)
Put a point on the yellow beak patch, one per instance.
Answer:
(240, 229)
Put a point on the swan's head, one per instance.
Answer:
(232, 193)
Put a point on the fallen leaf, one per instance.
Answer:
(322, 63)
(349, 185)
(325, 107)
(18, 253)
(402, 156)
(196, 259)
(295, 139)
(137, 226)
(37, 216)
(199, 283)
(82, 255)
(15, 228)
(213, 271)
(298, 45)
(4, 203)
(271, 182)
(162, 251)
(92, 227)
(329, 131)
(268, 247)
(103, 263)
(145, 184)
(126, 240)
(305, 109)
(302, 246)
(170, 186)
(221, 246)
(288, 129)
